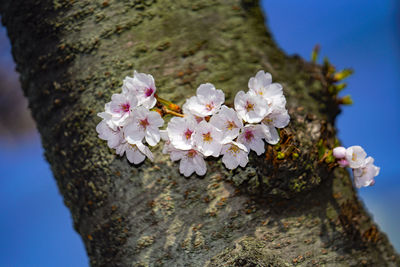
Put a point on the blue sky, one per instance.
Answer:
(36, 227)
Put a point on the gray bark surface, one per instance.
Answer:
(73, 55)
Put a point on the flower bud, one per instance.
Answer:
(339, 152)
(343, 163)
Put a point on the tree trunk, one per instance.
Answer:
(73, 55)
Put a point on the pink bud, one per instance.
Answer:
(343, 163)
(339, 152)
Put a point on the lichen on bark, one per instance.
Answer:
(293, 210)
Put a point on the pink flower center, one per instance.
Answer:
(125, 107)
(148, 92)
(198, 119)
(191, 153)
(188, 134)
(248, 135)
(144, 123)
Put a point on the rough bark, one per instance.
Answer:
(72, 55)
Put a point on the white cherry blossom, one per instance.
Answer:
(119, 109)
(250, 108)
(180, 131)
(208, 139)
(113, 137)
(143, 87)
(261, 85)
(364, 176)
(251, 136)
(227, 121)
(355, 155)
(234, 154)
(191, 161)
(144, 124)
(135, 153)
(207, 101)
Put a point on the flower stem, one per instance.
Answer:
(171, 106)
(168, 111)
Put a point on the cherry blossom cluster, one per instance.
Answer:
(205, 128)
(364, 170)
(127, 119)
(208, 128)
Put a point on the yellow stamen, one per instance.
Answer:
(207, 137)
(230, 125)
(249, 106)
(234, 149)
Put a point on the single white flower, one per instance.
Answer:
(208, 139)
(261, 85)
(143, 87)
(234, 154)
(250, 108)
(251, 136)
(135, 153)
(113, 137)
(339, 152)
(207, 101)
(355, 155)
(227, 121)
(120, 108)
(180, 131)
(191, 161)
(364, 176)
(144, 124)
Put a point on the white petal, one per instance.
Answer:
(281, 119)
(200, 165)
(270, 134)
(133, 134)
(177, 154)
(186, 167)
(274, 90)
(145, 150)
(152, 136)
(258, 146)
(155, 119)
(230, 161)
(134, 155)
